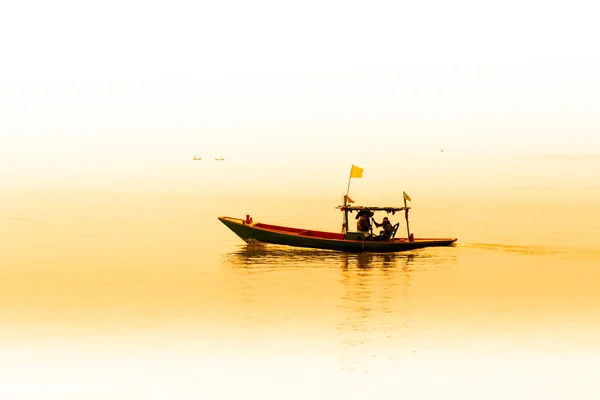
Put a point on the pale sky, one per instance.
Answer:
(127, 90)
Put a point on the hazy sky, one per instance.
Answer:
(127, 90)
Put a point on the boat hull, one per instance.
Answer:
(273, 234)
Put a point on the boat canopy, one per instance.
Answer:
(364, 208)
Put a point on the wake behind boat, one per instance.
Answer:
(349, 241)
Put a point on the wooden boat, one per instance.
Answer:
(354, 242)
(348, 241)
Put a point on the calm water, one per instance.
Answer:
(121, 296)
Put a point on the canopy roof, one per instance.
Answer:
(364, 208)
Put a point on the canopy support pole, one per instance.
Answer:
(406, 216)
(345, 221)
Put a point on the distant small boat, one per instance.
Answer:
(197, 158)
(219, 159)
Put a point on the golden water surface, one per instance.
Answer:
(131, 295)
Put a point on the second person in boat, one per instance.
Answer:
(388, 229)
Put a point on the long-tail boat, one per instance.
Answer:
(348, 241)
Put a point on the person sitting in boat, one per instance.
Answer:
(388, 228)
(364, 224)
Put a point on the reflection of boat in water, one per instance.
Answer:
(383, 260)
(197, 158)
(219, 159)
(259, 257)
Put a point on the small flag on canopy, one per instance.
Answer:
(406, 197)
(356, 172)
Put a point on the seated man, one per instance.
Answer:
(388, 229)
(363, 224)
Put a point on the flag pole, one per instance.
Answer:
(349, 179)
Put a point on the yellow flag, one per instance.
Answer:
(406, 197)
(356, 172)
